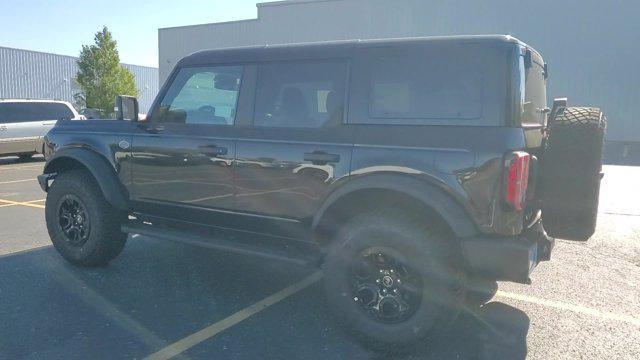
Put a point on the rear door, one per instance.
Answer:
(297, 145)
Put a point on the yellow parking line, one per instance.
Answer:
(16, 181)
(570, 307)
(34, 201)
(28, 203)
(190, 341)
(76, 286)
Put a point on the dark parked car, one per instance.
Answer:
(408, 169)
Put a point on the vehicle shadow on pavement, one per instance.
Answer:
(156, 293)
(495, 331)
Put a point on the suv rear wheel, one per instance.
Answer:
(391, 279)
(83, 226)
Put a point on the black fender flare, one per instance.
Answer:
(99, 167)
(429, 194)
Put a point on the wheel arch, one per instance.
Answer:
(102, 171)
(387, 189)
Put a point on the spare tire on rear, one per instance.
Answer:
(571, 169)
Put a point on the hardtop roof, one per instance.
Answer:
(249, 53)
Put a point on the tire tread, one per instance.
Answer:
(570, 176)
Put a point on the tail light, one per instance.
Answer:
(516, 179)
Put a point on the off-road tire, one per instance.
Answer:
(571, 171)
(429, 248)
(105, 240)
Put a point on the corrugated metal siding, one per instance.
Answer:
(147, 82)
(589, 44)
(37, 75)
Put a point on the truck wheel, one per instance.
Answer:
(83, 226)
(392, 280)
(571, 171)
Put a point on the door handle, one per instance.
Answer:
(213, 150)
(321, 158)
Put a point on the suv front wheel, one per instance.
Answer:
(83, 226)
(392, 279)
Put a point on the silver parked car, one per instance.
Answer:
(23, 123)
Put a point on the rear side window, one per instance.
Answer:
(462, 84)
(430, 87)
(534, 91)
(33, 111)
(305, 94)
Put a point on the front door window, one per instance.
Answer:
(202, 95)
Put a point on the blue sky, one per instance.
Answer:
(62, 26)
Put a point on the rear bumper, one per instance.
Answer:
(511, 258)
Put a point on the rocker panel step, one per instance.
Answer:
(307, 255)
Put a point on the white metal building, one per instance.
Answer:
(590, 45)
(38, 75)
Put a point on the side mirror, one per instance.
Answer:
(126, 108)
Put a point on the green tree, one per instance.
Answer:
(100, 75)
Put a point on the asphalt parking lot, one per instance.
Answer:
(159, 298)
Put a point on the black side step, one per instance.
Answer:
(307, 255)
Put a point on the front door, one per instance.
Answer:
(297, 146)
(183, 155)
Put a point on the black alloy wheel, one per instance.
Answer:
(386, 289)
(73, 220)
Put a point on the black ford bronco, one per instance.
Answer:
(407, 169)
